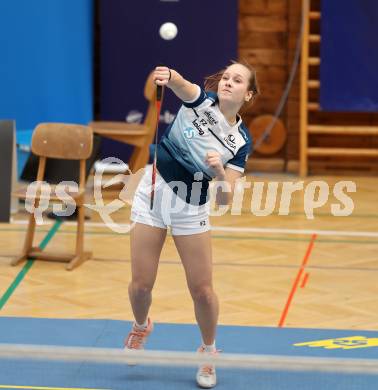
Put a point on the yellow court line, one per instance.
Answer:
(44, 388)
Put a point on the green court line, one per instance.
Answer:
(4, 299)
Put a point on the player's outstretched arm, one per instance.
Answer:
(183, 89)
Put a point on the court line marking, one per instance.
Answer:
(189, 359)
(253, 265)
(344, 233)
(239, 264)
(296, 281)
(45, 388)
(213, 236)
(319, 214)
(304, 281)
(318, 232)
(20, 276)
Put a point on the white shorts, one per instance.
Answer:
(169, 210)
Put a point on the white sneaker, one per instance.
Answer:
(206, 376)
(138, 337)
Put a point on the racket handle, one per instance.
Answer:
(159, 92)
(153, 181)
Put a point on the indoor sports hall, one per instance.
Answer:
(108, 108)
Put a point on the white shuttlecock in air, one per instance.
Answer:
(168, 31)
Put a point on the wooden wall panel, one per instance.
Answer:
(267, 57)
(263, 27)
(268, 34)
(265, 23)
(262, 7)
(261, 40)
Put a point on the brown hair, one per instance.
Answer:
(211, 82)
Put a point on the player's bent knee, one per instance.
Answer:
(203, 294)
(141, 287)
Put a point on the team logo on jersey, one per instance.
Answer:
(210, 118)
(189, 133)
(198, 125)
(230, 141)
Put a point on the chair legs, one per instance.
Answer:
(19, 259)
(28, 243)
(139, 159)
(77, 260)
(72, 260)
(80, 255)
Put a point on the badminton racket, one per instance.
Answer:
(159, 98)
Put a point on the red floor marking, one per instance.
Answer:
(296, 281)
(304, 281)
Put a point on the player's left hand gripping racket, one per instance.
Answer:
(159, 98)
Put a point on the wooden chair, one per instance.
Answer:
(67, 142)
(138, 135)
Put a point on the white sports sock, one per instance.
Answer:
(209, 348)
(142, 326)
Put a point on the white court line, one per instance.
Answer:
(299, 231)
(341, 233)
(189, 359)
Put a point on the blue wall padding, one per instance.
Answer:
(46, 61)
(349, 55)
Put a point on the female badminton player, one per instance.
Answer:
(206, 141)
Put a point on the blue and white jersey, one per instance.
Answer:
(198, 128)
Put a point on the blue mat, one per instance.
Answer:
(232, 339)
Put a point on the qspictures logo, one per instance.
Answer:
(268, 197)
(256, 197)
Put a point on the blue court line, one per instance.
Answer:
(20, 276)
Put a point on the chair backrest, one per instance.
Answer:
(63, 141)
(140, 155)
(150, 88)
